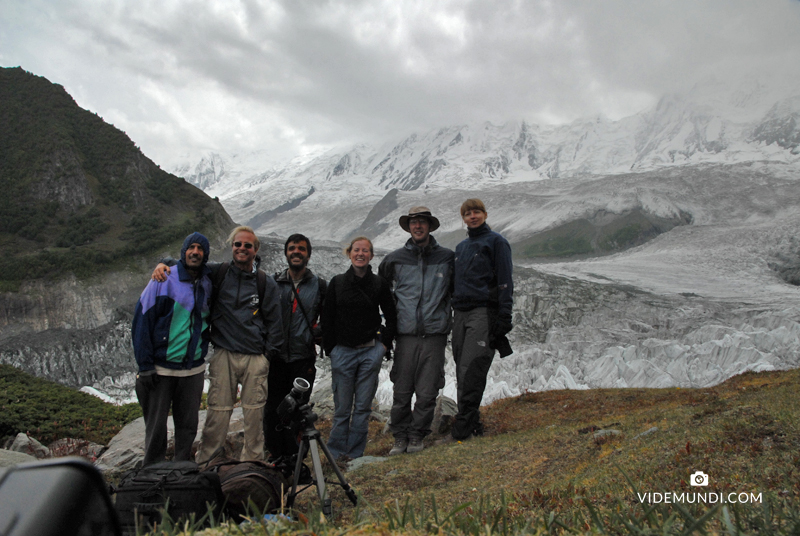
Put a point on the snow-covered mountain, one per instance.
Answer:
(335, 194)
(715, 173)
(206, 170)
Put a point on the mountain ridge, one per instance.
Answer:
(709, 125)
(83, 218)
(80, 196)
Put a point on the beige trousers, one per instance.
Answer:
(225, 371)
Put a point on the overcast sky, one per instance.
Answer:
(287, 77)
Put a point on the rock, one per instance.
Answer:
(9, 458)
(606, 433)
(322, 397)
(379, 413)
(126, 450)
(446, 409)
(28, 445)
(364, 460)
(75, 447)
(647, 432)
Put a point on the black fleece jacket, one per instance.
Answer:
(351, 317)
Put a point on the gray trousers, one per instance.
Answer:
(182, 394)
(418, 370)
(473, 358)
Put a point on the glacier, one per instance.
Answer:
(690, 307)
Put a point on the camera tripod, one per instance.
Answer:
(311, 442)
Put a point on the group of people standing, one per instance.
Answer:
(265, 331)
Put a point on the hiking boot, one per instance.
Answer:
(415, 445)
(400, 445)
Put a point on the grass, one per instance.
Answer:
(541, 468)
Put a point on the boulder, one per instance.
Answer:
(322, 398)
(28, 445)
(446, 409)
(126, 450)
(75, 447)
(10, 458)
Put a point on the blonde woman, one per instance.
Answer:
(356, 342)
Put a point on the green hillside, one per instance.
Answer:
(78, 195)
(48, 411)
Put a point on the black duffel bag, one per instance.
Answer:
(250, 487)
(179, 486)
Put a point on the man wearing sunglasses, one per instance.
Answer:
(246, 331)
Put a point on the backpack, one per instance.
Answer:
(250, 487)
(142, 494)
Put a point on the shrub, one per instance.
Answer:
(48, 411)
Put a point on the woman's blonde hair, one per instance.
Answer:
(472, 204)
(349, 248)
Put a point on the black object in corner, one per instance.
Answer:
(64, 497)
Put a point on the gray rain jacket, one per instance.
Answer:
(298, 332)
(422, 279)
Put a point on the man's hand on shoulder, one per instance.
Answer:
(161, 272)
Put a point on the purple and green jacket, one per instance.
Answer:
(170, 326)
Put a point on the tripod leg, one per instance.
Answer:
(296, 476)
(342, 482)
(322, 491)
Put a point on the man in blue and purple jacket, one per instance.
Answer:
(170, 342)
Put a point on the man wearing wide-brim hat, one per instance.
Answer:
(421, 273)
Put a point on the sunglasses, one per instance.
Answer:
(246, 245)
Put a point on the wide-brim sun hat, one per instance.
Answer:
(419, 212)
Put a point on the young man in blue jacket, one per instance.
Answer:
(170, 341)
(482, 301)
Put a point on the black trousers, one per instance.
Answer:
(183, 396)
(280, 439)
(473, 357)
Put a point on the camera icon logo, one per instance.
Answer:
(698, 478)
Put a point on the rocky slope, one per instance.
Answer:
(83, 217)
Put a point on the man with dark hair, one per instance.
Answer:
(246, 333)
(170, 341)
(482, 301)
(301, 298)
(421, 273)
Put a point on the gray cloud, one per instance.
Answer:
(289, 76)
